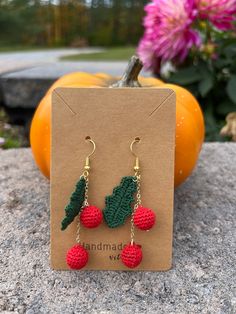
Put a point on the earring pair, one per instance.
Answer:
(124, 202)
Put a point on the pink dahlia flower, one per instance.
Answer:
(146, 53)
(221, 13)
(168, 33)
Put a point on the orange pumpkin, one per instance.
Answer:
(189, 118)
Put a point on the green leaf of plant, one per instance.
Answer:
(212, 129)
(231, 88)
(206, 85)
(225, 107)
(221, 63)
(118, 205)
(186, 76)
(230, 50)
(75, 204)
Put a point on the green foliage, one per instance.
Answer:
(231, 88)
(71, 22)
(11, 136)
(118, 205)
(213, 82)
(11, 143)
(75, 204)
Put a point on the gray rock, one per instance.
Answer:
(25, 88)
(23, 92)
(202, 279)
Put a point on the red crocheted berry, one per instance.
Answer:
(91, 216)
(77, 257)
(131, 255)
(144, 218)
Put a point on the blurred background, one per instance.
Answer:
(70, 23)
(42, 40)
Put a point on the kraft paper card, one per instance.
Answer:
(113, 118)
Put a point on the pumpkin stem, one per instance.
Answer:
(130, 76)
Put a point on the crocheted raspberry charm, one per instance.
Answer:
(144, 218)
(91, 216)
(77, 257)
(131, 255)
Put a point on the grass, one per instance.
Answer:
(110, 54)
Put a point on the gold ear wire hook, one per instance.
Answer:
(136, 166)
(87, 161)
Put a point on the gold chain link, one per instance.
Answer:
(137, 178)
(86, 192)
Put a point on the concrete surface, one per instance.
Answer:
(57, 69)
(203, 276)
(12, 61)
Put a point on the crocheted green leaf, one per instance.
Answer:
(118, 205)
(75, 204)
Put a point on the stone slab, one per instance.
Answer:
(25, 88)
(202, 279)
